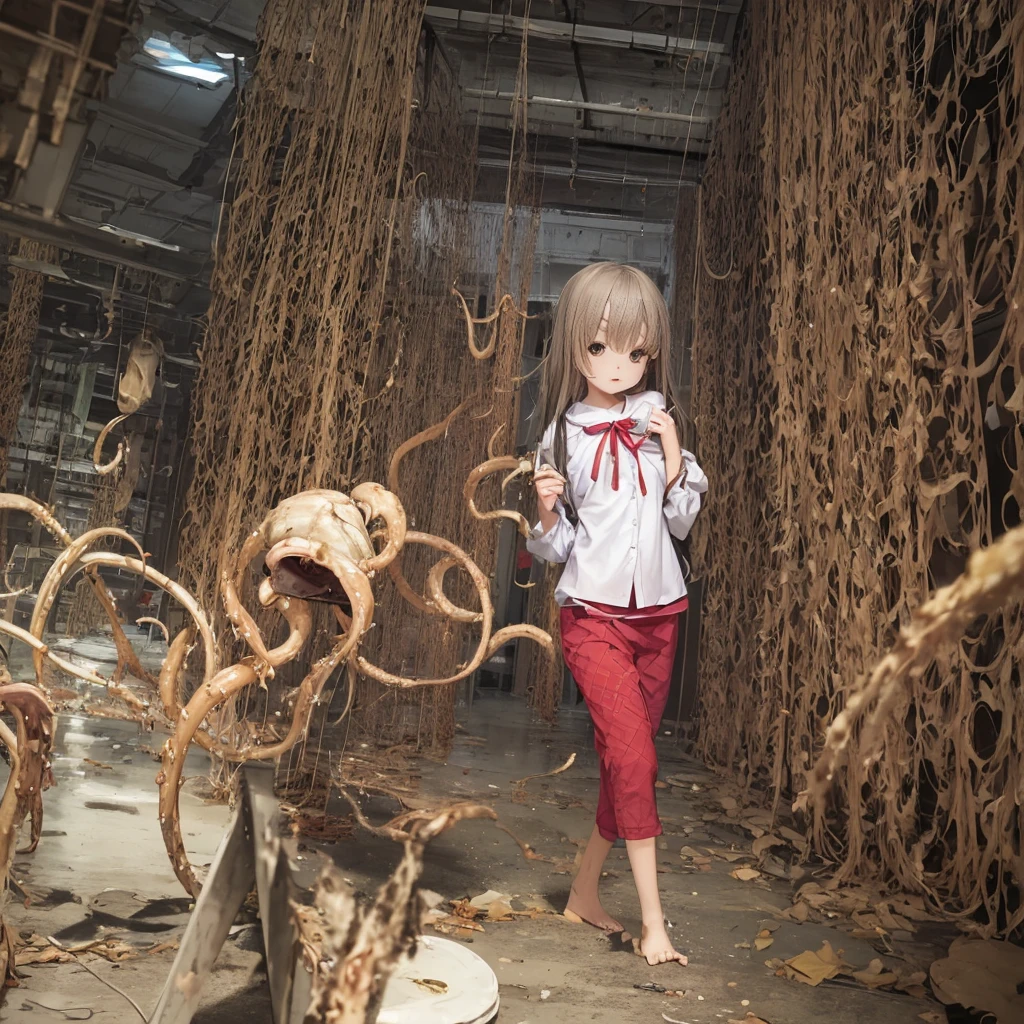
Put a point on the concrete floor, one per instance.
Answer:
(101, 870)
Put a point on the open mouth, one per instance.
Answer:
(294, 574)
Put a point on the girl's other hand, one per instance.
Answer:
(550, 486)
(665, 427)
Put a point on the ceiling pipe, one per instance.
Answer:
(599, 108)
(590, 35)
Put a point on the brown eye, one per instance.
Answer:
(596, 348)
(636, 355)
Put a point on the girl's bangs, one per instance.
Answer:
(630, 316)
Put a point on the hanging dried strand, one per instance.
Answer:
(868, 346)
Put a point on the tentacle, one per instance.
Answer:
(59, 571)
(306, 698)
(484, 470)
(486, 618)
(178, 592)
(65, 666)
(97, 451)
(148, 620)
(435, 588)
(238, 615)
(382, 504)
(39, 512)
(170, 670)
(231, 681)
(10, 821)
(33, 716)
(520, 631)
(350, 681)
(522, 469)
(223, 686)
(299, 616)
(492, 440)
(126, 656)
(406, 590)
(430, 434)
(472, 322)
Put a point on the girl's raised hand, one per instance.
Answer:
(662, 424)
(550, 486)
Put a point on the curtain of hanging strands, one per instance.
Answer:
(333, 317)
(859, 372)
(18, 329)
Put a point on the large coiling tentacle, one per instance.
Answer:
(97, 452)
(429, 434)
(224, 685)
(472, 321)
(10, 821)
(520, 631)
(244, 624)
(19, 503)
(34, 721)
(501, 464)
(125, 653)
(175, 590)
(231, 681)
(435, 588)
(58, 572)
(405, 589)
(382, 504)
(300, 620)
(65, 666)
(486, 618)
(177, 651)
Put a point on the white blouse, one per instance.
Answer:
(622, 541)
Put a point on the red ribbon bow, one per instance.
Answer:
(617, 430)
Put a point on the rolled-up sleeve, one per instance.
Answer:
(682, 501)
(556, 544)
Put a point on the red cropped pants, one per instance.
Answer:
(623, 667)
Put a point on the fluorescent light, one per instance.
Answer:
(225, 56)
(196, 71)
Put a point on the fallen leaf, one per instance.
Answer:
(765, 843)
(499, 910)
(161, 947)
(750, 1018)
(875, 975)
(730, 855)
(983, 975)
(761, 943)
(437, 988)
(892, 922)
(911, 980)
(728, 803)
(798, 912)
(484, 900)
(46, 955)
(745, 874)
(97, 764)
(812, 968)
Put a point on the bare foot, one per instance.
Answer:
(657, 948)
(588, 910)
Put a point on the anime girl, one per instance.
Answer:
(614, 486)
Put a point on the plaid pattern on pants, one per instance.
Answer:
(623, 668)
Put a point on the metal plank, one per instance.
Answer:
(273, 888)
(228, 883)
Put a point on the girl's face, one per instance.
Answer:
(614, 372)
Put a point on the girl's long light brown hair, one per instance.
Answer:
(635, 304)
